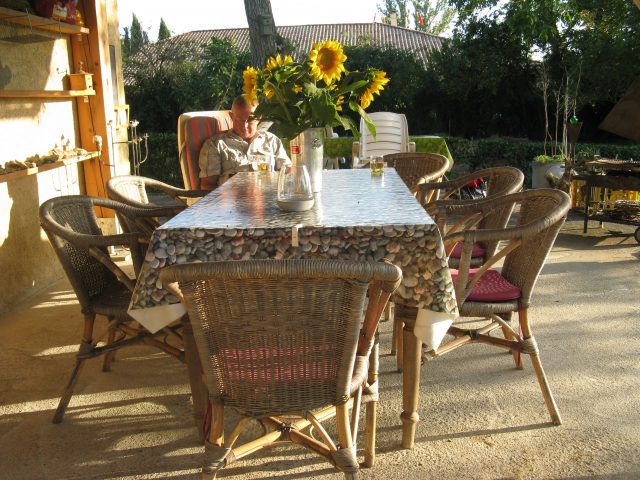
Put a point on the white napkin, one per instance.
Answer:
(431, 327)
(156, 318)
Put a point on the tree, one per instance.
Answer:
(125, 45)
(432, 16)
(139, 37)
(174, 76)
(262, 31)
(163, 31)
(399, 7)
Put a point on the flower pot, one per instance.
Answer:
(539, 170)
(307, 149)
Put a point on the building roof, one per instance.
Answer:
(303, 37)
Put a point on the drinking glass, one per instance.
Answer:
(294, 188)
(261, 162)
(376, 162)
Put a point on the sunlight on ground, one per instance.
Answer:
(89, 400)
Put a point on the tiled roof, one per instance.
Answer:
(303, 36)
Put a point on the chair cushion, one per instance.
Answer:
(476, 251)
(196, 131)
(492, 287)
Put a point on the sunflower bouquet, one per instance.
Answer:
(301, 95)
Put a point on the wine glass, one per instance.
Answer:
(294, 188)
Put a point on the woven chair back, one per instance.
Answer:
(277, 337)
(500, 181)
(129, 189)
(541, 213)
(62, 218)
(418, 167)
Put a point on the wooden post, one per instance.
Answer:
(93, 51)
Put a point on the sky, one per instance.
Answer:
(189, 15)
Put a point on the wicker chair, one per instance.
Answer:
(133, 190)
(101, 286)
(284, 343)
(452, 214)
(493, 296)
(418, 167)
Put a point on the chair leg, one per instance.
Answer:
(85, 346)
(537, 367)
(398, 327)
(68, 392)
(371, 410)
(508, 334)
(109, 356)
(345, 458)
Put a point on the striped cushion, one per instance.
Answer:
(476, 251)
(492, 287)
(196, 131)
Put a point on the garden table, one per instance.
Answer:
(357, 216)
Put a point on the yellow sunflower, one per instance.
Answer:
(250, 79)
(278, 61)
(326, 61)
(374, 88)
(297, 88)
(339, 103)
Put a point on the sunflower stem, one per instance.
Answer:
(280, 98)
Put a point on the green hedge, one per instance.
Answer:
(468, 155)
(162, 163)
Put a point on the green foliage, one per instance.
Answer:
(432, 16)
(407, 79)
(482, 82)
(584, 51)
(163, 159)
(163, 31)
(468, 155)
(399, 7)
(139, 37)
(549, 158)
(173, 76)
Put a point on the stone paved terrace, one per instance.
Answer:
(481, 418)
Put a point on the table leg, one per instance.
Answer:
(410, 384)
(199, 392)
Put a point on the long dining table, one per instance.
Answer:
(356, 216)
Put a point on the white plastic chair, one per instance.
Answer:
(392, 136)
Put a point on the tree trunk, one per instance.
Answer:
(262, 31)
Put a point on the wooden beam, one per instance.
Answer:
(93, 52)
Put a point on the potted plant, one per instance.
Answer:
(544, 166)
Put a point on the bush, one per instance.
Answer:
(468, 155)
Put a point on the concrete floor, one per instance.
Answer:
(480, 418)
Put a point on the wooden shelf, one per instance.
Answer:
(46, 93)
(47, 166)
(39, 23)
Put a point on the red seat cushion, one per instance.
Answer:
(476, 251)
(492, 287)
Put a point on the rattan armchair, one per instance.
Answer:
(418, 167)
(492, 296)
(101, 286)
(134, 191)
(284, 342)
(452, 214)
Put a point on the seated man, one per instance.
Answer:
(226, 154)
